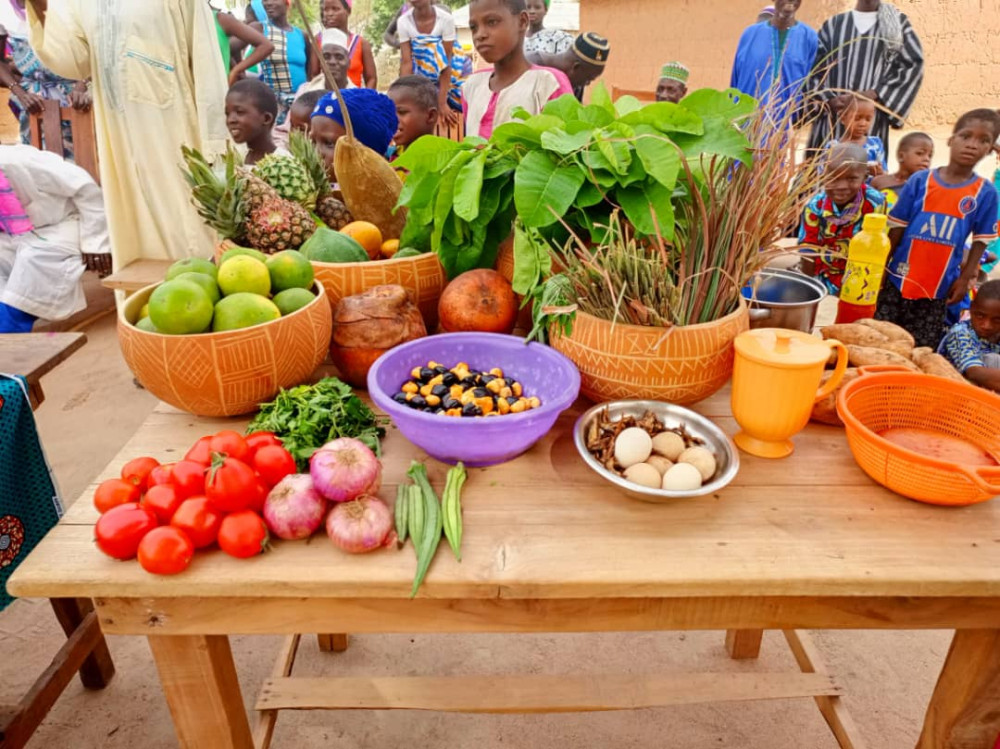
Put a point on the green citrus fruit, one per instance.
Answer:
(244, 274)
(290, 300)
(144, 311)
(248, 251)
(146, 324)
(180, 308)
(243, 310)
(289, 270)
(192, 265)
(206, 282)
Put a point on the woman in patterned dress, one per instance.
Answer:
(288, 66)
(540, 40)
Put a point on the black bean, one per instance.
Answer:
(449, 379)
(441, 369)
(471, 409)
(399, 397)
(481, 392)
(418, 401)
(511, 400)
(440, 391)
(426, 374)
(450, 403)
(486, 378)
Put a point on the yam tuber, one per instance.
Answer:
(867, 356)
(902, 348)
(825, 410)
(890, 330)
(935, 364)
(854, 334)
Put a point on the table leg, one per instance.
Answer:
(98, 669)
(964, 712)
(199, 681)
(744, 644)
(333, 643)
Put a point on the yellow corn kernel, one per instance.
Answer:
(506, 392)
(431, 365)
(534, 402)
(432, 400)
(436, 380)
(456, 392)
(485, 404)
(415, 373)
(503, 407)
(468, 396)
(496, 372)
(520, 407)
(516, 389)
(453, 412)
(410, 388)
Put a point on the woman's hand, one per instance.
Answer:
(446, 114)
(33, 103)
(79, 97)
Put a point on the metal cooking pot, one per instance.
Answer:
(784, 299)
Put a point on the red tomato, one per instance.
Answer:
(165, 551)
(201, 452)
(243, 534)
(230, 443)
(273, 464)
(163, 500)
(198, 520)
(257, 440)
(114, 492)
(160, 475)
(231, 486)
(257, 501)
(188, 477)
(119, 531)
(137, 471)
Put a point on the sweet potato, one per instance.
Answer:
(863, 356)
(920, 351)
(935, 364)
(902, 348)
(890, 330)
(858, 335)
(825, 410)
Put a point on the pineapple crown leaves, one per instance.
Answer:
(303, 149)
(217, 196)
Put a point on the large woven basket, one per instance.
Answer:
(681, 365)
(889, 398)
(228, 373)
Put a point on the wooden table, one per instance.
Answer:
(137, 275)
(35, 354)
(807, 542)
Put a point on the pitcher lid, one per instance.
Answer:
(779, 347)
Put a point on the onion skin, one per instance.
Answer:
(360, 526)
(345, 469)
(294, 509)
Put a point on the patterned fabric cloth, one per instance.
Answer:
(963, 348)
(547, 42)
(938, 219)
(429, 58)
(38, 79)
(830, 230)
(285, 70)
(29, 504)
(13, 218)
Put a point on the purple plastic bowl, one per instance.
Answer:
(543, 372)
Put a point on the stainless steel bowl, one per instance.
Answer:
(784, 299)
(726, 455)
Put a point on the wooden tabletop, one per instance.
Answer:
(544, 526)
(35, 354)
(137, 275)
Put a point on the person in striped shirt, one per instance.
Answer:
(935, 214)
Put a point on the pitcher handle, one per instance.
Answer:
(838, 374)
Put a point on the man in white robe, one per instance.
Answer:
(158, 83)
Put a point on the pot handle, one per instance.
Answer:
(838, 374)
(760, 313)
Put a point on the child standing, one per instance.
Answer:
(856, 121)
(835, 215)
(490, 96)
(251, 108)
(936, 212)
(416, 103)
(914, 154)
(973, 346)
(361, 67)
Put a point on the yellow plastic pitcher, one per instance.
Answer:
(776, 380)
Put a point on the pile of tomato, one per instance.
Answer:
(162, 513)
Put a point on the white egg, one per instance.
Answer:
(632, 446)
(669, 445)
(644, 475)
(660, 463)
(682, 477)
(701, 458)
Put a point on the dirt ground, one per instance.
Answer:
(92, 408)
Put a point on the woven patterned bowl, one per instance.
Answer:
(680, 365)
(228, 373)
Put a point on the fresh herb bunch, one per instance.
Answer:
(308, 416)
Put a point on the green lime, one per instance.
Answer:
(144, 311)
(407, 252)
(192, 265)
(291, 300)
(248, 251)
(244, 274)
(243, 310)
(146, 324)
(206, 282)
(180, 308)
(289, 270)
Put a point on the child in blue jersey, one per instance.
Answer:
(936, 212)
(973, 345)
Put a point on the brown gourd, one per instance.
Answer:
(890, 330)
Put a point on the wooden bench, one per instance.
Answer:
(646, 97)
(137, 275)
(46, 134)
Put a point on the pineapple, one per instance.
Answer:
(218, 198)
(331, 211)
(289, 177)
(279, 225)
(256, 193)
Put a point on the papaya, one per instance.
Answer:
(329, 246)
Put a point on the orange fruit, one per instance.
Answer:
(389, 248)
(367, 235)
(478, 300)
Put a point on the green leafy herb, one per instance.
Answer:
(308, 416)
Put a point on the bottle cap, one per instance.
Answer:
(875, 222)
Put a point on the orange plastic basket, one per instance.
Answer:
(887, 397)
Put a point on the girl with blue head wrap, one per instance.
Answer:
(373, 117)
